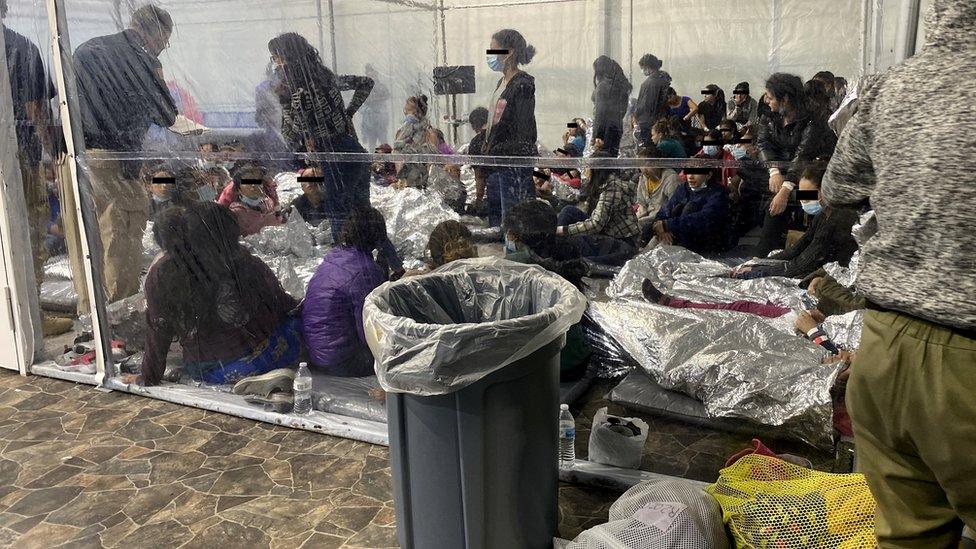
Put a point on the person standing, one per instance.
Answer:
(316, 119)
(31, 90)
(610, 96)
(121, 91)
(652, 100)
(511, 122)
(376, 111)
(911, 389)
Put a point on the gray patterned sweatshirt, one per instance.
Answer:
(907, 151)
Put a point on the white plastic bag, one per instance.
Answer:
(617, 441)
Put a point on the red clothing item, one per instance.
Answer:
(185, 103)
(723, 174)
(263, 306)
(568, 179)
(230, 195)
(761, 309)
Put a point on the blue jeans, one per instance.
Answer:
(511, 186)
(280, 350)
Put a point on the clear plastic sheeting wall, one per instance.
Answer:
(215, 117)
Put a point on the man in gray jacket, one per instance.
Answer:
(912, 387)
(652, 99)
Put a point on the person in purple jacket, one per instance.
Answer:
(332, 316)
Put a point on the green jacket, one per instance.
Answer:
(833, 298)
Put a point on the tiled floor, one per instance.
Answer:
(82, 468)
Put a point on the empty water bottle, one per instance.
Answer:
(303, 390)
(567, 437)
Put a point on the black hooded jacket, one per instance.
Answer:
(514, 131)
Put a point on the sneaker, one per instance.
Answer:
(263, 385)
(277, 401)
(652, 294)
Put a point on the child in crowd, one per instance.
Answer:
(332, 316)
(435, 136)
(479, 123)
(696, 216)
(654, 188)
(827, 239)
(449, 241)
(412, 138)
(746, 189)
(384, 173)
(311, 203)
(169, 184)
(665, 135)
(712, 149)
(254, 208)
(609, 214)
(530, 237)
(224, 305)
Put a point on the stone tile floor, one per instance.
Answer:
(82, 468)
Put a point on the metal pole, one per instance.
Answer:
(443, 17)
(16, 250)
(907, 30)
(81, 187)
(335, 58)
(318, 19)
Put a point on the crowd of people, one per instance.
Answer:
(756, 163)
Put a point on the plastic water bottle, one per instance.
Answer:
(303, 390)
(567, 437)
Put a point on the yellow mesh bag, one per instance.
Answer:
(770, 503)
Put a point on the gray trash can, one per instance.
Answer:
(469, 355)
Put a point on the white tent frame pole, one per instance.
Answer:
(91, 244)
(16, 242)
(905, 40)
(332, 32)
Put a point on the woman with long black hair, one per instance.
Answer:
(611, 94)
(224, 305)
(316, 119)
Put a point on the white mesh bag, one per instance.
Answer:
(659, 514)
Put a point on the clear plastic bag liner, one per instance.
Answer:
(659, 514)
(440, 332)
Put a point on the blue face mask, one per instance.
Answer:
(495, 63)
(710, 150)
(252, 202)
(739, 153)
(409, 119)
(812, 208)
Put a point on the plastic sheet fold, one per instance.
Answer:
(411, 215)
(738, 365)
(440, 332)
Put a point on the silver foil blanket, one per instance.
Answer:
(293, 251)
(411, 215)
(737, 364)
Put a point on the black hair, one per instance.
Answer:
(650, 152)
(303, 64)
(671, 91)
(788, 86)
(248, 170)
(714, 134)
(719, 95)
(533, 222)
(824, 76)
(840, 83)
(421, 102)
(650, 61)
(598, 180)
(203, 274)
(450, 241)
(606, 68)
(511, 39)
(364, 229)
(818, 98)
(478, 117)
(668, 127)
(151, 20)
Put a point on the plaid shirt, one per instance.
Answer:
(613, 214)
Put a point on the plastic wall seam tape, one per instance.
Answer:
(617, 441)
(434, 334)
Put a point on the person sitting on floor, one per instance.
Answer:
(529, 229)
(610, 220)
(654, 188)
(168, 185)
(697, 216)
(665, 134)
(435, 136)
(253, 207)
(449, 241)
(224, 306)
(332, 315)
(384, 174)
(827, 239)
(311, 204)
